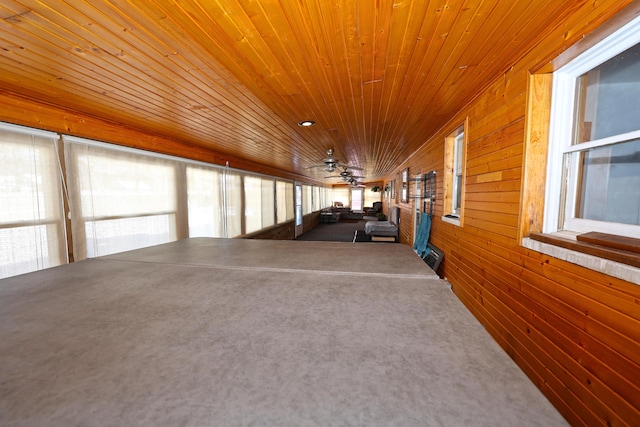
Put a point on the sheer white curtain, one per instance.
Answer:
(259, 203)
(268, 207)
(284, 198)
(232, 185)
(205, 204)
(371, 197)
(120, 200)
(32, 233)
(291, 208)
(324, 194)
(252, 203)
(317, 204)
(342, 194)
(307, 206)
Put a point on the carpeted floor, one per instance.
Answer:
(341, 231)
(361, 236)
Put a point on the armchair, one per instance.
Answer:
(377, 208)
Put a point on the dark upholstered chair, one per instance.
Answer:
(375, 209)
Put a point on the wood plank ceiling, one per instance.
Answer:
(236, 76)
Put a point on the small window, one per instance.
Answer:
(454, 175)
(594, 156)
(458, 158)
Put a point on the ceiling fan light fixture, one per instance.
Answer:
(306, 123)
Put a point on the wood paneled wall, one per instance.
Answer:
(574, 331)
(284, 231)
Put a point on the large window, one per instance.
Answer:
(232, 187)
(594, 151)
(307, 199)
(454, 151)
(342, 195)
(259, 198)
(357, 199)
(119, 200)
(284, 198)
(205, 204)
(317, 202)
(370, 197)
(31, 215)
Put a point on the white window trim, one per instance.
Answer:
(458, 161)
(451, 220)
(561, 126)
(28, 131)
(454, 215)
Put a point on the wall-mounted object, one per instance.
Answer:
(404, 187)
(428, 191)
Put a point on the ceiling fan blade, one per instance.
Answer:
(323, 165)
(349, 167)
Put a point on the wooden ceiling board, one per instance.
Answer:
(275, 101)
(331, 52)
(463, 83)
(455, 51)
(418, 66)
(92, 83)
(236, 76)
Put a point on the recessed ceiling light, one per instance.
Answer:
(306, 123)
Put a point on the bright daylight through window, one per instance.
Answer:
(453, 175)
(594, 163)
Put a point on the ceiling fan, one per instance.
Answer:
(355, 184)
(330, 163)
(345, 175)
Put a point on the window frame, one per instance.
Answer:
(86, 239)
(455, 149)
(458, 171)
(562, 177)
